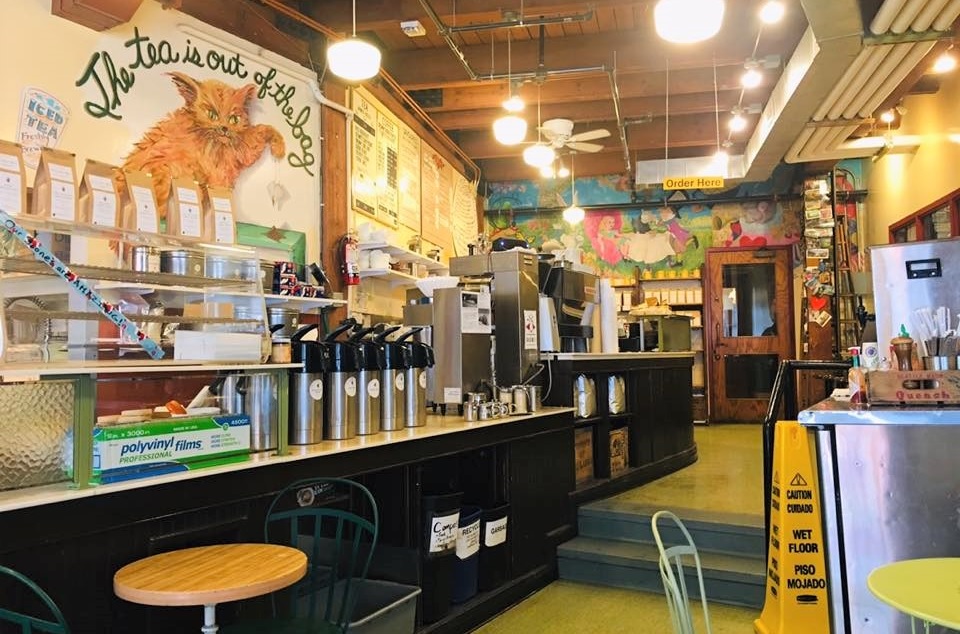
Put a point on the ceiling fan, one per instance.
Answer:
(558, 133)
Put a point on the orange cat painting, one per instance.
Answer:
(209, 139)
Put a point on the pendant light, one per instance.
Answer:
(688, 21)
(353, 59)
(539, 155)
(510, 129)
(574, 213)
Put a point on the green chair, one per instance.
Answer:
(29, 624)
(339, 545)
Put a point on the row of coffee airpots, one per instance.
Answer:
(358, 385)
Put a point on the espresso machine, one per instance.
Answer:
(573, 293)
(513, 277)
(457, 324)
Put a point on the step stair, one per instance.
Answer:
(615, 547)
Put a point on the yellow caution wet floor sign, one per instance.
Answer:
(796, 597)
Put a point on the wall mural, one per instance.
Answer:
(664, 241)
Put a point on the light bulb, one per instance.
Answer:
(353, 59)
(945, 63)
(772, 11)
(720, 157)
(513, 104)
(547, 171)
(737, 123)
(751, 78)
(688, 21)
(563, 172)
(887, 116)
(510, 129)
(539, 155)
(573, 214)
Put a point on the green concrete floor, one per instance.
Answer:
(727, 478)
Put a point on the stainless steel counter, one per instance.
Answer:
(894, 478)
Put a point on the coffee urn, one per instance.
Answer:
(420, 357)
(368, 382)
(392, 378)
(341, 385)
(306, 388)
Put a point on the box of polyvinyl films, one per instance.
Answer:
(169, 445)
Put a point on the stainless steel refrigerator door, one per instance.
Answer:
(910, 276)
(899, 498)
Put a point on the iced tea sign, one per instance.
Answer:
(41, 122)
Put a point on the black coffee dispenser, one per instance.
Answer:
(341, 384)
(368, 380)
(307, 388)
(415, 396)
(396, 360)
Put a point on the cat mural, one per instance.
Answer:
(209, 139)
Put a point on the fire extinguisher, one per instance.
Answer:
(348, 251)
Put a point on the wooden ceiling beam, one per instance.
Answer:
(376, 15)
(637, 49)
(685, 131)
(600, 110)
(599, 164)
(587, 88)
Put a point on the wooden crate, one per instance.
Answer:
(619, 451)
(583, 453)
(914, 387)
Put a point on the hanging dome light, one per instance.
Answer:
(945, 63)
(751, 77)
(574, 214)
(510, 129)
(737, 123)
(688, 21)
(772, 11)
(539, 155)
(353, 59)
(563, 172)
(548, 171)
(513, 104)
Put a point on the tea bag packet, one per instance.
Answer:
(140, 207)
(99, 201)
(185, 210)
(13, 182)
(221, 222)
(55, 186)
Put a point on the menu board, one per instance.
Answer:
(463, 214)
(364, 181)
(436, 190)
(388, 142)
(408, 170)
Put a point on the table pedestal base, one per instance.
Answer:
(210, 620)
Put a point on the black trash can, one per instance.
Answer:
(494, 547)
(468, 555)
(441, 522)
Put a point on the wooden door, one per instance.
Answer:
(749, 328)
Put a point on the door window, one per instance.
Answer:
(749, 300)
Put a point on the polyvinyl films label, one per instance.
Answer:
(496, 532)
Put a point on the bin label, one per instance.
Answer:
(443, 532)
(468, 541)
(496, 532)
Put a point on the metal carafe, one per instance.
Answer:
(415, 396)
(368, 382)
(392, 380)
(256, 396)
(307, 388)
(341, 385)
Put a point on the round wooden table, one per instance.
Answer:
(209, 575)
(926, 589)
